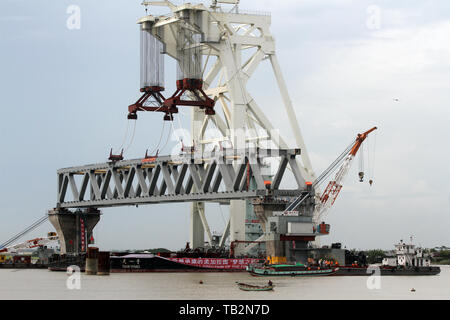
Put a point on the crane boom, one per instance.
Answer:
(24, 232)
(334, 186)
(33, 243)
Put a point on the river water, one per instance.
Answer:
(44, 284)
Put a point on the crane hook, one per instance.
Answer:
(361, 176)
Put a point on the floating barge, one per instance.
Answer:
(155, 263)
(292, 270)
(388, 271)
(408, 260)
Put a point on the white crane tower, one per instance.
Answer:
(224, 48)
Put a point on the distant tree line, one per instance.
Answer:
(440, 257)
(375, 255)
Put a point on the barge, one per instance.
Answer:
(387, 271)
(292, 270)
(408, 260)
(155, 263)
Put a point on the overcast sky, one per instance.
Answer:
(349, 65)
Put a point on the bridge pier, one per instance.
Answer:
(197, 231)
(74, 228)
(274, 247)
(286, 237)
(237, 224)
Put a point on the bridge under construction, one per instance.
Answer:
(216, 49)
(271, 189)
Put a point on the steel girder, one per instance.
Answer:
(215, 176)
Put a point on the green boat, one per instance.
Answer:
(292, 270)
(251, 287)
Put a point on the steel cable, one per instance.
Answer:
(25, 231)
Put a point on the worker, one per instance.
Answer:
(270, 283)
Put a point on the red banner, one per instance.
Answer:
(215, 263)
(83, 236)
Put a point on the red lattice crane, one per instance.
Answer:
(334, 186)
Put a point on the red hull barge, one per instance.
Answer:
(154, 263)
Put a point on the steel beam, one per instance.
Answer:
(218, 175)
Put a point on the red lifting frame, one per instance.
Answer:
(195, 86)
(154, 92)
(169, 106)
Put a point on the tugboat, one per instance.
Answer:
(289, 269)
(408, 260)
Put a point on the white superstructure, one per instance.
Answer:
(407, 255)
(233, 43)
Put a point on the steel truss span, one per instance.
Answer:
(214, 176)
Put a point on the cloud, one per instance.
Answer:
(396, 78)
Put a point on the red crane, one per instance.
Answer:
(334, 186)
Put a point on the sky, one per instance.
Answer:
(349, 65)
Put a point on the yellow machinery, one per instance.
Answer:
(276, 260)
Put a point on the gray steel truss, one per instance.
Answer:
(215, 176)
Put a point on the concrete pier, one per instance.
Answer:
(103, 263)
(74, 228)
(286, 235)
(91, 261)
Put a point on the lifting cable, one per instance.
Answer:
(125, 136)
(167, 140)
(361, 157)
(132, 137)
(369, 156)
(168, 135)
(160, 138)
(374, 154)
(324, 175)
(173, 129)
(361, 162)
(181, 129)
(179, 124)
